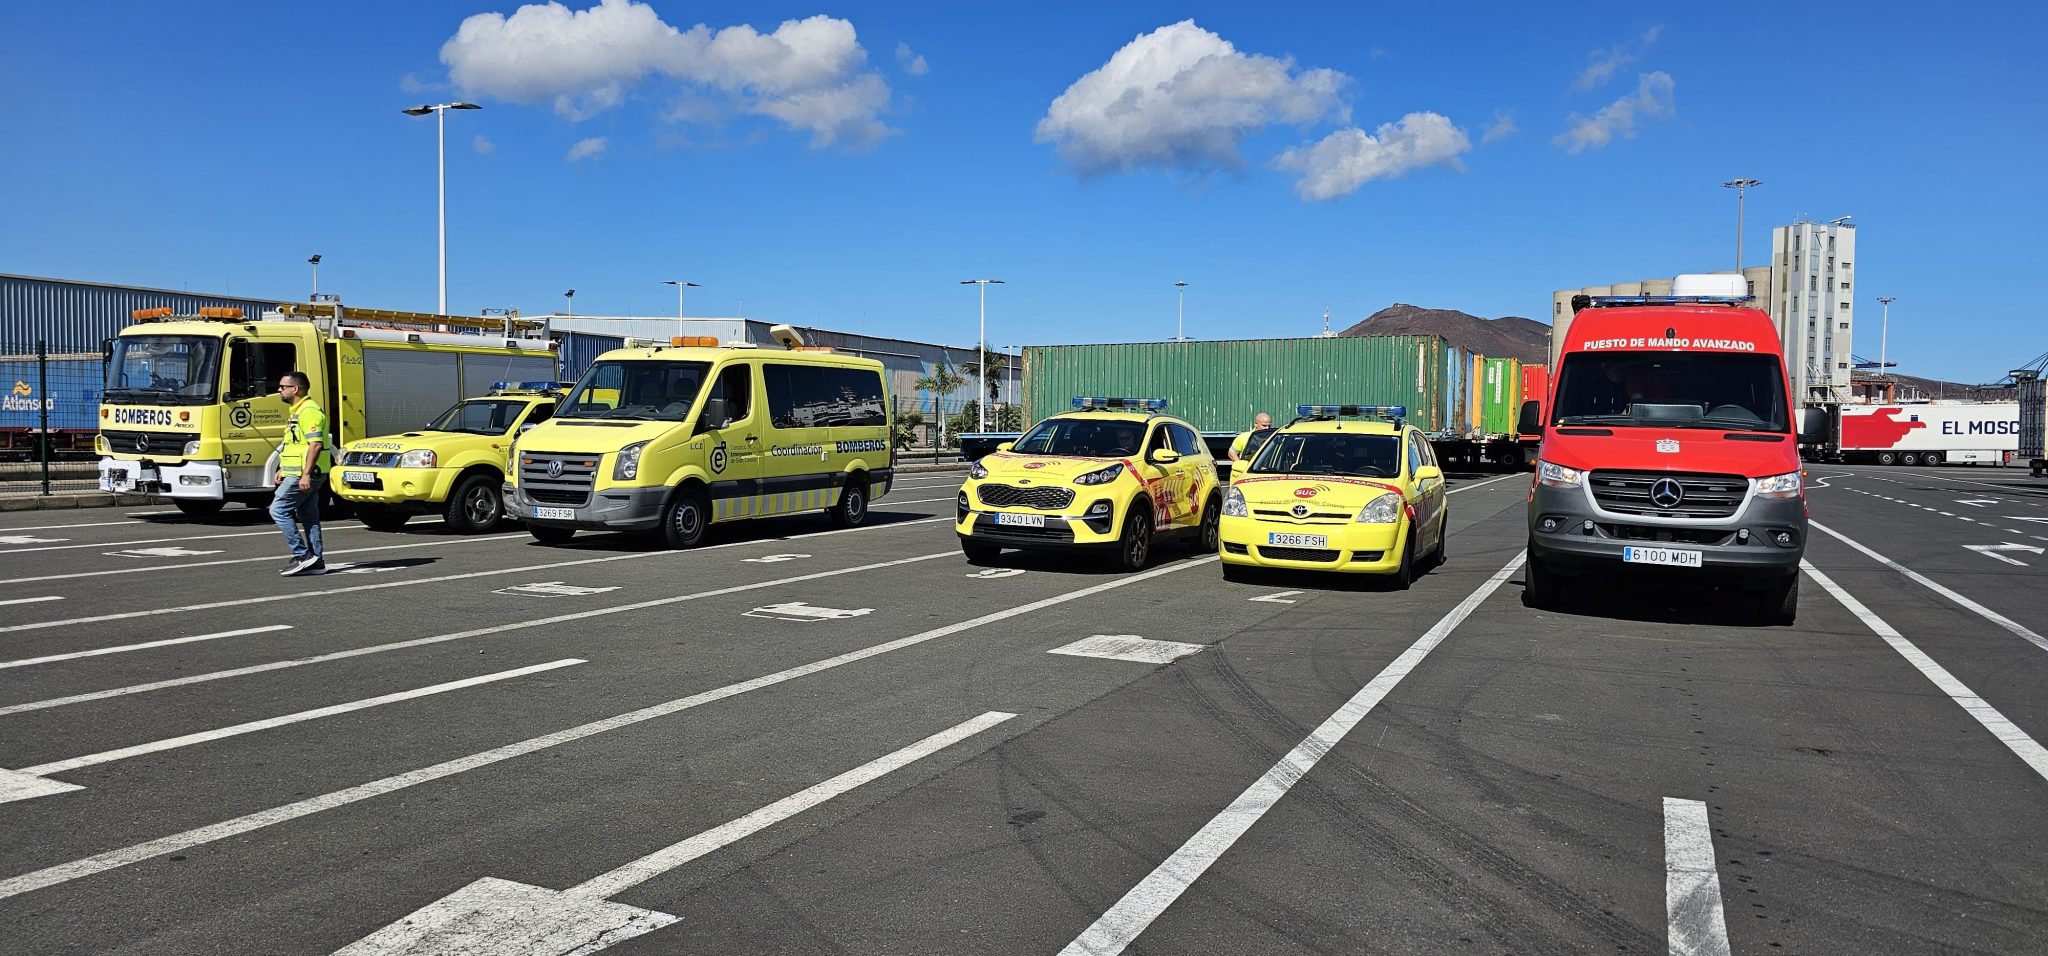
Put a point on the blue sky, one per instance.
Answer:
(847, 169)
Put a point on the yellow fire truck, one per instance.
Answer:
(191, 409)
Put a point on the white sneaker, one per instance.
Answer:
(302, 565)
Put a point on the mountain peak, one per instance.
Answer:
(1510, 336)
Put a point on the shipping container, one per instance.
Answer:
(1987, 433)
(72, 316)
(1501, 396)
(1219, 386)
(67, 387)
(579, 349)
(1535, 388)
(2033, 422)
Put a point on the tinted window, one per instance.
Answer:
(1157, 440)
(541, 412)
(1082, 437)
(1186, 441)
(816, 396)
(1306, 453)
(655, 391)
(255, 367)
(165, 369)
(479, 417)
(1724, 390)
(735, 386)
(1414, 453)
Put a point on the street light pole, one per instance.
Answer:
(440, 111)
(571, 296)
(1740, 186)
(1884, 328)
(315, 263)
(981, 345)
(1181, 313)
(681, 286)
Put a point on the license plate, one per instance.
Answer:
(359, 477)
(1298, 540)
(1021, 521)
(559, 514)
(117, 475)
(1673, 557)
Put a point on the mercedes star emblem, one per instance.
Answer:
(142, 443)
(1667, 493)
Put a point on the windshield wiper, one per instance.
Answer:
(1596, 420)
(1740, 424)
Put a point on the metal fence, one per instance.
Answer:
(48, 419)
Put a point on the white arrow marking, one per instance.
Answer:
(159, 553)
(774, 558)
(553, 589)
(990, 574)
(1128, 647)
(34, 600)
(360, 569)
(1278, 598)
(799, 611)
(12, 787)
(28, 539)
(1991, 551)
(1976, 502)
(499, 916)
(2025, 518)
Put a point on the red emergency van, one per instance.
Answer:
(1669, 448)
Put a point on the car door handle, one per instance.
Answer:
(751, 439)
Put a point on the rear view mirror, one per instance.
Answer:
(1531, 420)
(714, 416)
(1428, 472)
(1164, 456)
(1006, 446)
(1813, 426)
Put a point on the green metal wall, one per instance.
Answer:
(1218, 386)
(1500, 396)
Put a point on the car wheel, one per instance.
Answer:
(1909, 458)
(684, 519)
(1443, 541)
(979, 553)
(1539, 585)
(1405, 574)
(1931, 458)
(380, 518)
(198, 509)
(1887, 458)
(1212, 525)
(475, 506)
(547, 534)
(852, 508)
(1238, 573)
(1779, 604)
(1134, 549)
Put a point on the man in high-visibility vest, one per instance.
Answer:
(1246, 445)
(302, 465)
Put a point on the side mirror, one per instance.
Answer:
(1005, 446)
(1813, 426)
(1428, 472)
(527, 427)
(714, 415)
(1164, 456)
(1531, 420)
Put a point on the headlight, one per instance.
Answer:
(974, 470)
(421, 458)
(1233, 504)
(1779, 486)
(1558, 476)
(1103, 477)
(627, 467)
(1385, 509)
(192, 448)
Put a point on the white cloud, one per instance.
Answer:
(809, 74)
(1502, 128)
(1349, 158)
(910, 61)
(1605, 62)
(412, 84)
(1617, 120)
(1181, 98)
(484, 147)
(590, 148)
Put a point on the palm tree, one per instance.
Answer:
(998, 369)
(943, 380)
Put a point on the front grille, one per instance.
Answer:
(147, 443)
(1313, 517)
(571, 483)
(1323, 555)
(1049, 498)
(1636, 532)
(1705, 496)
(371, 459)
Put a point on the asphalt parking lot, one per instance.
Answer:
(796, 740)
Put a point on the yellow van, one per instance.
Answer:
(675, 438)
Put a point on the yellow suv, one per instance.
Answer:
(454, 466)
(1341, 488)
(1114, 474)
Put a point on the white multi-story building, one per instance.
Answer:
(1813, 279)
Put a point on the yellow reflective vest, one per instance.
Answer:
(308, 424)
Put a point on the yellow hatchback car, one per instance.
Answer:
(1112, 475)
(1348, 488)
(453, 467)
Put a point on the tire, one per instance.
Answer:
(379, 518)
(1931, 458)
(1404, 576)
(1909, 458)
(684, 520)
(852, 508)
(1209, 539)
(475, 506)
(1443, 542)
(1539, 585)
(1134, 549)
(979, 553)
(1779, 604)
(1887, 458)
(198, 509)
(1238, 573)
(547, 534)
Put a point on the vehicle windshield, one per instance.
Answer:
(479, 416)
(1730, 391)
(1082, 437)
(164, 369)
(646, 391)
(1353, 455)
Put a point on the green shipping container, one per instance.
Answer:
(1219, 386)
(1500, 396)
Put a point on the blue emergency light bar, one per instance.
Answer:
(529, 386)
(1150, 404)
(1610, 301)
(1352, 411)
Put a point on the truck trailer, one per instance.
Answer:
(1919, 434)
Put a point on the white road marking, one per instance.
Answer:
(207, 736)
(119, 544)
(1822, 481)
(499, 916)
(2011, 736)
(1948, 514)
(803, 613)
(989, 574)
(1488, 481)
(1129, 647)
(1977, 502)
(1991, 551)
(272, 559)
(96, 652)
(1121, 925)
(353, 588)
(879, 502)
(775, 558)
(2025, 518)
(171, 552)
(1277, 597)
(1929, 583)
(439, 638)
(1967, 481)
(89, 524)
(28, 539)
(34, 600)
(553, 589)
(114, 859)
(1692, 886)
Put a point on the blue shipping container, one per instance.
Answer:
(579, 349)
(73, 397)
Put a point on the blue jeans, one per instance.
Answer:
(290, 507)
